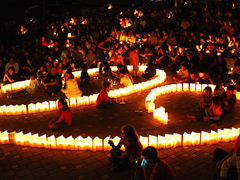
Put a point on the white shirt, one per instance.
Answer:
(234, 160)
(183, 74)
(72, 89)
(125, 81)
(33, 86)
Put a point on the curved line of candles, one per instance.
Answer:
(79, 101)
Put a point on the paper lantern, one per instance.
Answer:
(161, 142)
(60, 142)
(51, 142)
(192, 87)
(23, 109)
(187, 139)
(106, 146)
(185, 87)
(80, 101)
(195, 138)
(69, 143)
(153, 141)
(198, 88)
(10, 110)
(177, 140)
(97, 144)
(151, 107)
(169, 140)
(38, 107)
(35, 140)
(11, 137)
(42, 143)
(4, 137)
(204, 137)
(235, 133)
(87, 143)
(73, 102)
(79, 143)
(213, 137)
(52, 105)
(31, 108)
(164, 118)
(3, 110)
(179, 87)
(227, 135)
(27, 139)
(19, 138)
(45, 107)
(144, 141)
(238, 95)
(221, 135)
(173, 87)
(85, 100)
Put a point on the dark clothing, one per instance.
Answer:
(149, 72)
(231, 101)
(57, 87)
(14, 77)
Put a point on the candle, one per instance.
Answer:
(161, 142)
(195, 138)
(153, 141)
(87, 143)
(187, 139)
(51, 142)
(235, 133)
(4, 137)
(213, 137)
(179, 87)
(35, 140)
(52, 105)
(79, 143)
(192, 87)
(73, 102)
(227, 135)
(45, 107)
(38, 107)
(144, 141)
(177, 140)
(9, 110)
(80, 101)
(85, 100)
(27, 138)
(61, 142)
(151, 107)
(106, 146)
(164, 118)
(97, 144)
(220, 135)
(185, 86)
(198, 87)
(23, 109)
(204, 137)
(69, 143)
(31, 108)
(19, 138)
(3, 110)
(42, 143)
(169, 140)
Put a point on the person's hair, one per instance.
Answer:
(216, 100)
(184, 64)
(208, 88)
(106, 84)
(150, 152)
(11, 68)
(65, 105)
(122, 71)
(54, 67)
(217, 85)
(69, 71)
(33, 74)
(132, 136)
(230, 87)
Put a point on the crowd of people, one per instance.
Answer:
(190, 40)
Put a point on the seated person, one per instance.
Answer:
(52, 83)
(150, 71)
(63, 116)
(41, 72)
(10, 76)
(103, 100)
(206, 99)
(236, 73)
(13, 64)
(182, 74)
(228, 99)
(125, 79)
(34, 83)
(153, 167)
(71, 89)
(85, 78)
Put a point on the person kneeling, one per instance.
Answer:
(62, 117)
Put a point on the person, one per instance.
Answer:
(206, 100)
(71, 89)
(34, 84)
(149, 72)
(236, 73)
(103, 100)
(85, 78)
(52, 83)
(10, 76)
(219, 156)
(125, 79)
(182, 74)
(153, 167)
(12, 63)
(219, 89)
(214, 111)
(133, 148)
(63, 116)
(134, 60)
(228, 99)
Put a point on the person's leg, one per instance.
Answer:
(206, 112)
(113, 159)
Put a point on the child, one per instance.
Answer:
(103, 100)
(214, 111)
(219, 89)
(63, 115)
(206, 100)
(34, 83)
(183, 74)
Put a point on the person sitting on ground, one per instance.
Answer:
(214, 111)
(219, 89)
(236, 73)
(133, 148)
(71, 89)
(206, 100)
(34, 84)
(63, 116)
(52, 83)
(103, 100)
(125, 79)
(85, 78)
(182, 74)
(153, 167)
(150, 71)
(13, 64)
(10, 76)
(228, 99)
(41, 72)
(219, 156)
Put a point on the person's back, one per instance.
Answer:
(161, 170)
(125, 81)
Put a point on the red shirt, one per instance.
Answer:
(102, 96)
(67, 116)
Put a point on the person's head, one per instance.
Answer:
(208, 90)
(216, 100)
(12, 60)
(184, 66)
(11, 70)
(106, 85)
(32, 76)
(129, 132)
(122, 71)
(219, 85)
(68, 74)
(29, 61)
(62, 105)
(230, 90)
(149, 155)
(53, 71)
(236, 67)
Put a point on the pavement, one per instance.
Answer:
(193, 162)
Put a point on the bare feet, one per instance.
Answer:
(192, 118)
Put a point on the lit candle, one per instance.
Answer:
(42, 143)
(73, 102)
(227, 135)
(27, 139)
(35, 140)
(187, 139)
(87, 143)
(204, 137)
(79, 143)
(144, 141)
(19, 138)
(31, 108)
(97, 144)
(51, 141)
(161, 142)
(153, 141)
(61, 140)
(80, 101)
(192, 87)
(198, 88)
(213, 137)
(151, 107)
(52, 105)
(195, 138)
(106, 146)
(45, 107)
(177, 140)
(3, 110)
(4, 137)
(169, 140)
(69, 143)
(179, 87)
(185, 86)
(235, 133)
(38, 107)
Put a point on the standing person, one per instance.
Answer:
(152, 167)
(134, 60)
(71, 89)
(62, 117)
(103, 100)
(133, 148)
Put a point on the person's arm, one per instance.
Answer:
(58, 121)
(53, 118)
(226, 164)
(7, 78)
(120, 143)
(144, 167)
(101, 47)
(52, 83)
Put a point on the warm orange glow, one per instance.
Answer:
(187, 139)
(79, 143)
(204, 137)
(19, 138)
(97, 144)
(161, 142)
(153, 141)
(51, 142)
(144, 141)
(61, 141)
(195, 138)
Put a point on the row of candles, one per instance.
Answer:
(98, 144)
(159, 113)
(16, 86)
(85, 100)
